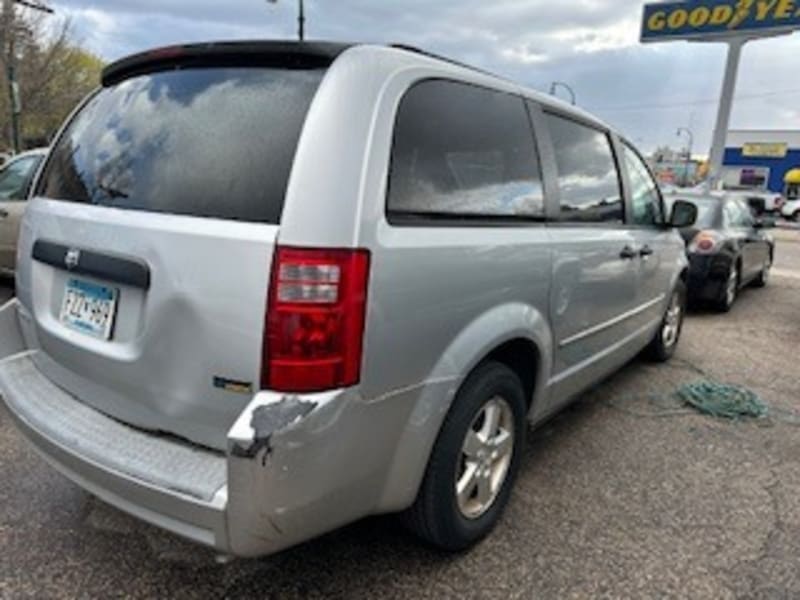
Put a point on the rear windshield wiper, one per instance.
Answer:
(111, 191)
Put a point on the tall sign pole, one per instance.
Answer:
(734, 22)
(720, 136)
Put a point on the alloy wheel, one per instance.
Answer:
(486, 455)
(672, 321)
(731, 286)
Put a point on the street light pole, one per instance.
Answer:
(556, 84)
(689, 133)
(301, 18)
(301, 21)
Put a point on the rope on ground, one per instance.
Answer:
(723, 401)
(706, 396)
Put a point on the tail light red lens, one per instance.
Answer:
(314, 326)
(705, 242)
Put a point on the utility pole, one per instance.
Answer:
(689, 133)
(9, 57)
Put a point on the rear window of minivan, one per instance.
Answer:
(207, 142)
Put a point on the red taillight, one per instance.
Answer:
(705, 244)
(314, 325)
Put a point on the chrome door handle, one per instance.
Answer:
(628, 253)
(645, 251)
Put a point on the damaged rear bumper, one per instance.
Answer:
(295, 467)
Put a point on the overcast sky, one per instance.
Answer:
(647, 91)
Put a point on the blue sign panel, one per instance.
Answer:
(718, 18)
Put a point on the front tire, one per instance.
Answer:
(474, 461)
(666, 339)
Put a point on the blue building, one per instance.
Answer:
(761, 159)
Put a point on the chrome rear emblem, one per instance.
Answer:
(72, 258)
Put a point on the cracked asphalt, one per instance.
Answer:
(624, 495)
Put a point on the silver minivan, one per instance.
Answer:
(266, 289)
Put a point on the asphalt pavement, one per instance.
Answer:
(626, 494)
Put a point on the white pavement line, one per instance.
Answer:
(786, 273)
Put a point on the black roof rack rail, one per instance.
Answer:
(435, 56)
(286, 54)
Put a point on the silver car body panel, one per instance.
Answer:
(441, 299)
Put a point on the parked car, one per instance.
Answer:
(350, 310)
(791, 209)
(761, 201)
(15, 183)
(728, 248)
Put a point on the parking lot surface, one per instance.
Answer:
(626, 494)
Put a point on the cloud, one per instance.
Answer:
(590, 44)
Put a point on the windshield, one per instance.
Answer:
(211, 142)
(15, 177)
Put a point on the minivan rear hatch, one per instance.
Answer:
(153, 231)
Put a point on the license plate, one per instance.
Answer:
(89, 308)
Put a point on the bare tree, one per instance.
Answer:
(53, 71)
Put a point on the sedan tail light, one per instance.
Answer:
(314, 325)
(705, 242)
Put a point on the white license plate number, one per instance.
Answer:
(89, 308)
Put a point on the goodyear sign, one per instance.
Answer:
(718, 19)
(765, 150)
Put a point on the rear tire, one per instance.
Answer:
(666, 339)
(469, 448)
(763, 277)
(730, 290)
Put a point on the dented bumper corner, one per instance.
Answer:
(300, 466)
(295, 466)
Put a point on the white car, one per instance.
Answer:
(772, 202)
(791, 209)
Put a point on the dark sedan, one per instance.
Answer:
(728, 248)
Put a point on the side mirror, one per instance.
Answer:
(684, 214)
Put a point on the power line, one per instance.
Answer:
(635, 107)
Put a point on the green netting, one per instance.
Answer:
(721, 400)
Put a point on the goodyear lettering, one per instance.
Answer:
(677, 18)
(704, 18)
(743, 8)
(657, 21)
(763, 9)
(785, 9)
(699, 16)
(720, 15)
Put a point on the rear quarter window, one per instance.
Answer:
(207, 142)
(462, 151)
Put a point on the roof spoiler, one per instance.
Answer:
(281, 54)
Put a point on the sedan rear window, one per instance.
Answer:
(209, 142)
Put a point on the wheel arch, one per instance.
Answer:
(515, 334)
